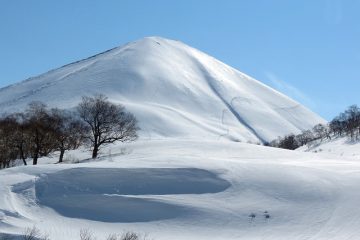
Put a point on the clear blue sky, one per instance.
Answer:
(309, 50)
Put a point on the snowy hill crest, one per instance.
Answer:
(173, 89)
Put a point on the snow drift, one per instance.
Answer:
(174, 90)
(121, 194)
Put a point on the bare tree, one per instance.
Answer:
(31, 234)
(86, 234)
(39, 130)
(304, 137)
(8, 151)
(353, 121)
(346, 123)
(68, 131)
(289, 142)
(108, 122)
(112, 237)
(130, 236)
(4, 145)
(337, 125)
(19, 136)
(34, 234)
(320, 131)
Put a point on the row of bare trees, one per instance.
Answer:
(346, 124)
(39, 131)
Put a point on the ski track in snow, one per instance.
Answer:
(212, 84)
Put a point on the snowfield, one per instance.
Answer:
(191, 175)
(337, 147)
(182, 189)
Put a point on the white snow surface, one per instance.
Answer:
(342, 147)
(187, 189)
(173, 89)
(180, 180)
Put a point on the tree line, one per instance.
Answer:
(346, 124)
(39, 131)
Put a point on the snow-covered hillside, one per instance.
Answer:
(187, 190)
(341, 147)
(173, 89)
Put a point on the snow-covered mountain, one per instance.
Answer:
(173, 89)
(178, 188)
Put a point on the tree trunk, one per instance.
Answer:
(22, 156)
(35, 159)
(95, 152)
(62, 151)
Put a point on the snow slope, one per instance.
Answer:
(173, 89)
(182, 189)
(342, 147)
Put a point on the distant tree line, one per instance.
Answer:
(40, 131)
(346, 124)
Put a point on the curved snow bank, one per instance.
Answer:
(98, 193)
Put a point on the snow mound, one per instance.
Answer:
(174, 90)
(74, 193)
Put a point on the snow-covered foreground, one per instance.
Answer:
(178, 189)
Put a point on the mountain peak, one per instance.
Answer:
(173, 89)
